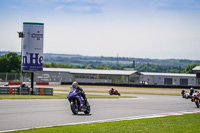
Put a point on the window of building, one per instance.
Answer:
(183, 81)
(198, 75)
(134, 79)
(168, 81)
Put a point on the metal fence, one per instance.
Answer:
(14, 77)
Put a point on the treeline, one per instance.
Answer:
(113, 61)
(141, 68)
(89, 66)
(166, 69)
(80, 60)
(11, 62)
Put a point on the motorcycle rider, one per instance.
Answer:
(191, 91)
(80, 90)
(112, 90)
(183, 92)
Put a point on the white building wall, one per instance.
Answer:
(93, 80)
(160, 79)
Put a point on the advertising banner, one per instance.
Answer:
(32, 49)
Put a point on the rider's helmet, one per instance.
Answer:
(75, 85)
(182, 92)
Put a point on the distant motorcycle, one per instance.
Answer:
(77, 102)
(113, 92)
(196, 99)
(185, 94)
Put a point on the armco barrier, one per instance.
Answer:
(14, 90)
(43, 91)
(26, 91)
(9, 90)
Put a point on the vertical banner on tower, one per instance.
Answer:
(32, 49)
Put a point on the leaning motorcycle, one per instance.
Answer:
(185, 94)
(113, 92)
(196, 97)
(77, 102)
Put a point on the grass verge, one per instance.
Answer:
(189, 123)
(146, 93)
(56, 96)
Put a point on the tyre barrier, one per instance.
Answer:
(26, 91)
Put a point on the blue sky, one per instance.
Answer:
(130, 28)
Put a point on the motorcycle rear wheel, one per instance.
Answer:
(197, 103)
(87, 111)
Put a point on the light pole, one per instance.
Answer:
(21, 35)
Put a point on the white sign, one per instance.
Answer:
(32, 49)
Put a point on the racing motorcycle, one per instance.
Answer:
(193, 95)
(196, 99)
(113, 92)
(185, 94)
(77, 102)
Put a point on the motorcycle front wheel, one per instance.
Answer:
(74, 107)
(197, 103)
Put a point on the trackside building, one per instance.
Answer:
(168, 79)
(65, 75)
(68, 75)
(197, 69)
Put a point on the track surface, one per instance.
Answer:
(22, 114)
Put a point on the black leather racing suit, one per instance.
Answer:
(82, 93)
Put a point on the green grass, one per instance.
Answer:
(56, 96)
(146, 93)
(189, 123)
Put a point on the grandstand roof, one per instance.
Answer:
(197, 68)
(168, 74)
(92, 71)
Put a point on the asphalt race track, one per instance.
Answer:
(33, 113)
